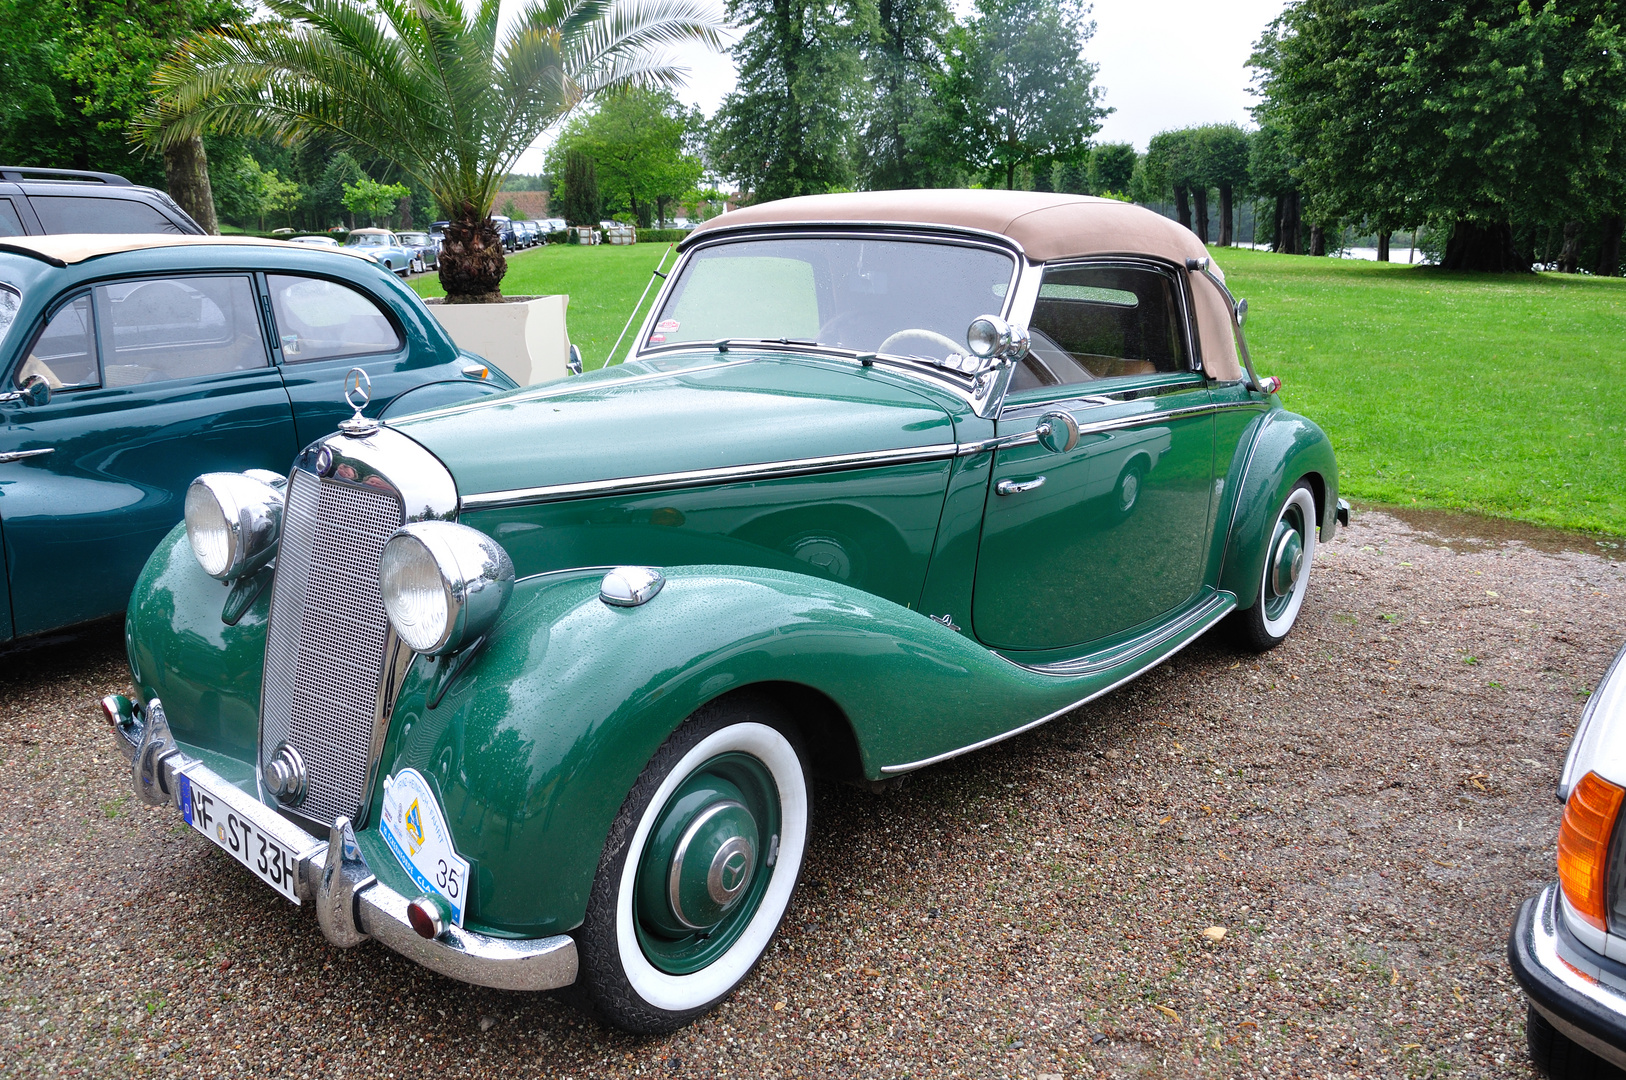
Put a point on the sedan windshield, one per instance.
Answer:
(369, 240)
(909, 298)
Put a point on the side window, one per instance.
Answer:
(323, 320)
(11, 224)
(99, 214)
(1099, 322)
(64, 352)
(178, 328)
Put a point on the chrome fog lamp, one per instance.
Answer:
(991, 338)
(444, 584)
(233, 521)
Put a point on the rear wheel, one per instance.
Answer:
(1557, 1057)
(1286, 577)
(697, 871)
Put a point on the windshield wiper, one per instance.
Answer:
(723, 344)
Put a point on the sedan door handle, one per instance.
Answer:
(1016, 487)
(8, 456)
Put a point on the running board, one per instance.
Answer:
(1187, 628)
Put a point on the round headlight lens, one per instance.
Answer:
(207, 529)
(987, 335)
(443, 584)
(232, 521)
(415, 596)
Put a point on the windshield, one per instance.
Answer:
(369, 240)
(10, 301)
(911, 298)
(414, 238)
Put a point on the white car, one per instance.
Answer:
(1568, 946)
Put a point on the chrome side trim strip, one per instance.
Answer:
(1228, 602)
(1096, 663)
(1118, 423)
(768, 470)
(19, 455)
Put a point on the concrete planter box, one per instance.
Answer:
(525, 339)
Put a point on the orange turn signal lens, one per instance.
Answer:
(1583, 846)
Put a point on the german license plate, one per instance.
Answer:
(212, 814)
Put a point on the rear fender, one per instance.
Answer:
(1286, 449)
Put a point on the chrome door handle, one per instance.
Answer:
(1016, 487)
(8, 456)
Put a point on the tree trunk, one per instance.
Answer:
(1182, 206)
(1609, 253)
(1276, 234)
(1226, 237)
(472, 263)
(186, 171)
(1199, 195)
(1482, 247)
(405, 212)
(1383, 246)
(1569, 256)
(1010, 176)
(1292, 225)
(1318, 240)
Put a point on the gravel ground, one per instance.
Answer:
(1361, 812)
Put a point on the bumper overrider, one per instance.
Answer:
(332, 875)
(1580, 992)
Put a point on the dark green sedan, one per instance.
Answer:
(129, 364)
(533, 689)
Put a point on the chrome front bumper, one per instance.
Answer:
(351, 904)
(1581, 993)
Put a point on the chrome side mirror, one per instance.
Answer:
(575, 361)
(991, 338)
(1057, 431)
(1241, 312)
(34, 391)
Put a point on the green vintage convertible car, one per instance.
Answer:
(532, 689)
(130, 363)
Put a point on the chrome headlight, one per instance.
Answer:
(233, 521)
(444, 584)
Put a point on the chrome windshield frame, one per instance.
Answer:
(982, 393)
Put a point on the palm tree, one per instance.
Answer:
(425, 84)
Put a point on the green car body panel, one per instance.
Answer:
(120, 457)
(832, 533)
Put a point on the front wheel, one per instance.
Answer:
(1286, 576)
(697, 871)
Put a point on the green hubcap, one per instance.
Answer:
(705, 865)
(1286, 563)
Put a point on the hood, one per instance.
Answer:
(676, 415)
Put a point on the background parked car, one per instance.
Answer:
(1568, 945)
(141, 361)
(36, 201)
(314, 241)
(427, 248)
(505, 229)
(384, 248)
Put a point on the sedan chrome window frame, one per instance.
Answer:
(982, 392)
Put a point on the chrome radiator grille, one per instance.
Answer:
(324, 646)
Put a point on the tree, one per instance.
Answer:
(1222, 163)
(1017, 90)
(903, 53)
(1471, 113)
(1112, 168)
(636, 143)
(1270, 173)
(426, 85)
(788, 131)
(1171, 166)
(369, 198)
(578, 190)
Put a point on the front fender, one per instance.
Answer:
(450, 392)
(538, 740)
(1286, 449)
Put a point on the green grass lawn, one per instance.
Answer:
(1504, 395)
(1501, 394)
(602, 281)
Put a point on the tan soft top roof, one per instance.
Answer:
(1047, 225)
(77, 247)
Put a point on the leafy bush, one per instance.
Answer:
(661, 236)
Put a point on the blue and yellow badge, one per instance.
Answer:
(414, 827)
(413, 820)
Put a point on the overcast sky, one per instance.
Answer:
(1164, 64)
